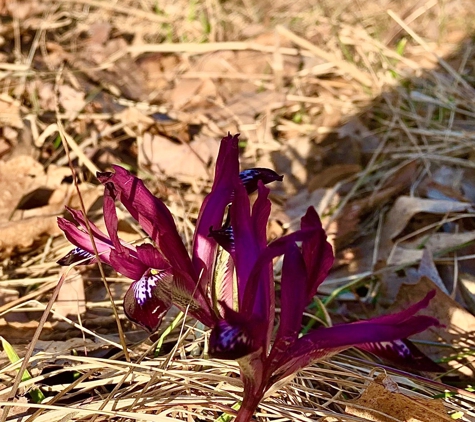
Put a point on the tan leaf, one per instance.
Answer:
(22, 234)
(381, 402)
(71, 100)
(406, 207)
(10, 113)
(190, 160)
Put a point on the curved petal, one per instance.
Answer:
(293, 298)
(77, 255)
(248, 243)
(151, 213)
(83, 241)
(274, 249)
(327, 341)
(235, 336)
(402, 353)
(151, 257)
(126, 264)
(251, 177)
(78, 216)
(147, 301)
(317, 253)
(213, 208)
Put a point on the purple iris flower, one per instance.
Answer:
(246, 332)
(163, 273)
(228, 283)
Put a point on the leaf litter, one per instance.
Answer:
(368, 120)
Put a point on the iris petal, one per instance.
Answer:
(147, 300)
(251, 177)
(77, 255)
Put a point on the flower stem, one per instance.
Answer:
(249, 405)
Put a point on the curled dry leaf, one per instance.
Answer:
(407, 207)
(404, 209)
(382, 402)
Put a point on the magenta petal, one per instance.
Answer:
(274, 249)
(146, 302)
(82, 240)
(126, 264)
(78, 216)
(293, 298)
(326, 341)
(248, 242)
(151, 257)
(251, 177)
(111, 220)
(77, 255)
(151, 213)
(264, 304)
(404, 354)
(317, 253)
(213, 208)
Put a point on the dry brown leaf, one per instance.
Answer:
(297, 205)
(71, 100)
(184, 91)
(99, 32)
(331, 175)
(30, 200)
(189, 160)
(406, 207)
(22, 234)
(10, 112)
(408, 252)
(382, 402)
(64, 347)
(18, 177)
(434, 190)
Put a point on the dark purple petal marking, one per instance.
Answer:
(77, 255)
(224, 237)
(251, 177)
(404, 354)
(148, 299)
(143, 288)
(228, 341)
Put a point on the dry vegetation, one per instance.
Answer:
(368, 109)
